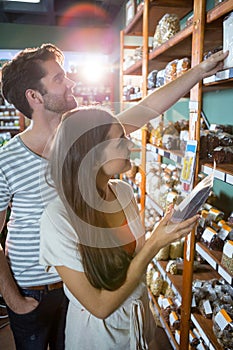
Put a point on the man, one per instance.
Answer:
(36, 84)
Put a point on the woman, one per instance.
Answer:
(93, 236)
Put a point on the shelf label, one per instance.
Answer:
(219, 175)
(207, 170)
(173, 157)
(173, 318)
(208, 234)
(207, 307)
(229, 179)
(167, 303)
(161, 152)
(227, 277)
(222, 319)
(206, 256)
(177, 336)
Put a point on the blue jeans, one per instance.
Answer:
(43, 326)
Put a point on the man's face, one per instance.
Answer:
(58, 96)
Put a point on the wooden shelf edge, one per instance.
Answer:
(214, 259)
(205, 272)
(174, 155)
(129, 28)
(223, 172)
(202, 324)
(176, 39)
(219, 11)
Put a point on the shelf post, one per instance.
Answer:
(194, 134)
(145, 57)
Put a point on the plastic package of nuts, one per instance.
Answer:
(222, 327)
(167, 27)
(156, 286)
(163, 254)
(183, 65)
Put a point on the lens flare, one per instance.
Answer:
(83, 11)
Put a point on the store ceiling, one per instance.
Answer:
(67, 13)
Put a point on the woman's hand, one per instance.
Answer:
(213, 64)
(167, 232)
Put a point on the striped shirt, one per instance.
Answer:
(23, 183)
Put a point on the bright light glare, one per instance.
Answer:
(93, 72)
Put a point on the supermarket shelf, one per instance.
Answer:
(151, 202)
(205, 328)
(175, 155)
(223, 172)
(163, 322)
(204, 272)
(214, 259)
(219, 11)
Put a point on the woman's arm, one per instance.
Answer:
(101, 303)
(163, 98)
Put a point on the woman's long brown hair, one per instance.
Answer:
(105, 261)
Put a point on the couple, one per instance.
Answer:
(91, 233)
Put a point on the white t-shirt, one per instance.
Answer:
(123, 328)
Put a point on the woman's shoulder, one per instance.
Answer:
(55, 212)
(56, 206)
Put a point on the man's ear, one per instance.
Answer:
(33, 96)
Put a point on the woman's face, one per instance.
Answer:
(116, 155)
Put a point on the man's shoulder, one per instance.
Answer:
(10, 146)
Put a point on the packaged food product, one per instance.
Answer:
(176, 249)
(205, 308)
(166, 309)
(228, 39)
(227, 256)
(167, 27)
(204, 144)
(157, 40)
(215, 215)
(174, 321)
(163, 254)
(149, 274)
(130, 9)
(169, 293)
(156, 284)
(170, 71)
(156, 135)
(151, 79)
(211, 239)
(183, 65)
(222, 327)
(172, 267)
(184, 136)
(170, 142)
(225, 232)
(160, 78)
(225, 139)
